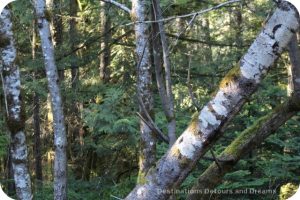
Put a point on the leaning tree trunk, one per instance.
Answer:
(255, 134)
(239, 84)
(60, 140)
(148, 141)
(14, 104)
(241, 146)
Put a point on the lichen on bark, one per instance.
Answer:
(212, 122)
(15, 109)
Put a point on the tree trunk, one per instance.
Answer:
(75, 124)
(237, 25)
(73, 37)
(105, 32)
(148, 141)
(239, 84)
(294, 67)
(36, 119)
(254, 135)
(166, 94)
(241, 146)
(56, 27)
(11, 188)
(60, 140)
(37, 140)
(15, 109)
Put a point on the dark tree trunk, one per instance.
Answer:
(164, 84)
(36, 119)
(10, 177)
(105, 32)
(37, 140)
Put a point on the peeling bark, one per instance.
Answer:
(148, 140)
(15, 110)
(257, 133)
(241, 146)
(239, 84)
(60, 140)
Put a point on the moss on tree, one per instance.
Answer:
(194, 124)
(233, 74)
(48, 15)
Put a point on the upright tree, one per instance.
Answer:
(54, 14)
(105, 25)
(15, 110)
(36, 115)
(164, 87)
(60, 139)
(144, 81)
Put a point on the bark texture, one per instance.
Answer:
(148, 140)
(235, 88)
(15, 110)
(241, 146)
(60, 140)
(256, 134)
(54, 15)
(294, 68)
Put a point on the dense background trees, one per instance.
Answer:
(94, 45)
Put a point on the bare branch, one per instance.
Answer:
(193, 14)
(154, 128)
(186, 28)
(119, 5)
(168, 102)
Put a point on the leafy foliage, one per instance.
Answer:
(103, 153)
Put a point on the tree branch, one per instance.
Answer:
(193, 14)
(246, 141)
(119, 5)
(168, 103)
(154, 128)
(210, 123)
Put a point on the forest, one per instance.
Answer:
(149, 99)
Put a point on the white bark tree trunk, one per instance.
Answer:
(148, 140)
(255, 134)
(210, 123)
(60, 139)
(10, 75)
